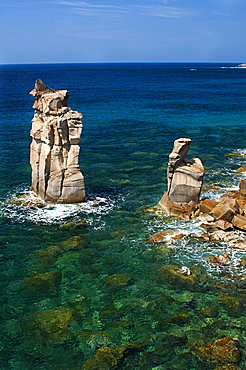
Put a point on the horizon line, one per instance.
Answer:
(121, 62)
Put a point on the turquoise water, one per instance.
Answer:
(100, 296)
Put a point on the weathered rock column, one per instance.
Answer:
(54, 151)
(184, 181)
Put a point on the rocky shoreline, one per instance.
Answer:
(222, 220)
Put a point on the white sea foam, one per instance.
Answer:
(13, 209)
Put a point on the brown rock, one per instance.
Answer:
(224, 259)
(211, 187)
(165, 236)
(184, 182)
(209, 227)
(225, 210)
(223, 225)
(242, 186)
(231, 194)
(206, 205)
(239, 221)
(238, 245)
(203, 237)
(178, 236)
(242, 169)
(182, 210)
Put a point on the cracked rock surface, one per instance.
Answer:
(54, 150)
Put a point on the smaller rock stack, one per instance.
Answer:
(184, 182)
(226, 214)
(54, 151)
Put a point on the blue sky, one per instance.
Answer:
(58, 31)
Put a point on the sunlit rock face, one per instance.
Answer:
(184, 181)
(54, 151)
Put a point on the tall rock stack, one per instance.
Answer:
(184, 181)
(54, 151)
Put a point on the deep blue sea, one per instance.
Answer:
(94, 297)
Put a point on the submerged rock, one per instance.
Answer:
(118, 280)
(107, 358)
(49, 255)
(45, 280)
(50, 326)
(234, 305)
(222, 350)
(74, 225)
(227, 367)
(184, 182)
(180, 276)
(54, 151)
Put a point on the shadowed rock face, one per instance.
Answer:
(184, 181)
(54, 151)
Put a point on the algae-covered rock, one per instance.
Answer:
(74, 225)
(222, 350)
(180, 276)
(165, 349)
(118, 280)
(179, 318)
(235, 306)
(75, 242)
(163, 250)
(45, 280)
(49, 326)
(236, 155)
(48, 255)
(209, 312)
(108, 357)
(228, 367)
(80, 304)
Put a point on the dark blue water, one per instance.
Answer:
(94, 297)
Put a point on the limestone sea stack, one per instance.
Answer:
(54, 151)
(184, 182)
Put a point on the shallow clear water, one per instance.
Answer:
(67, 293)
